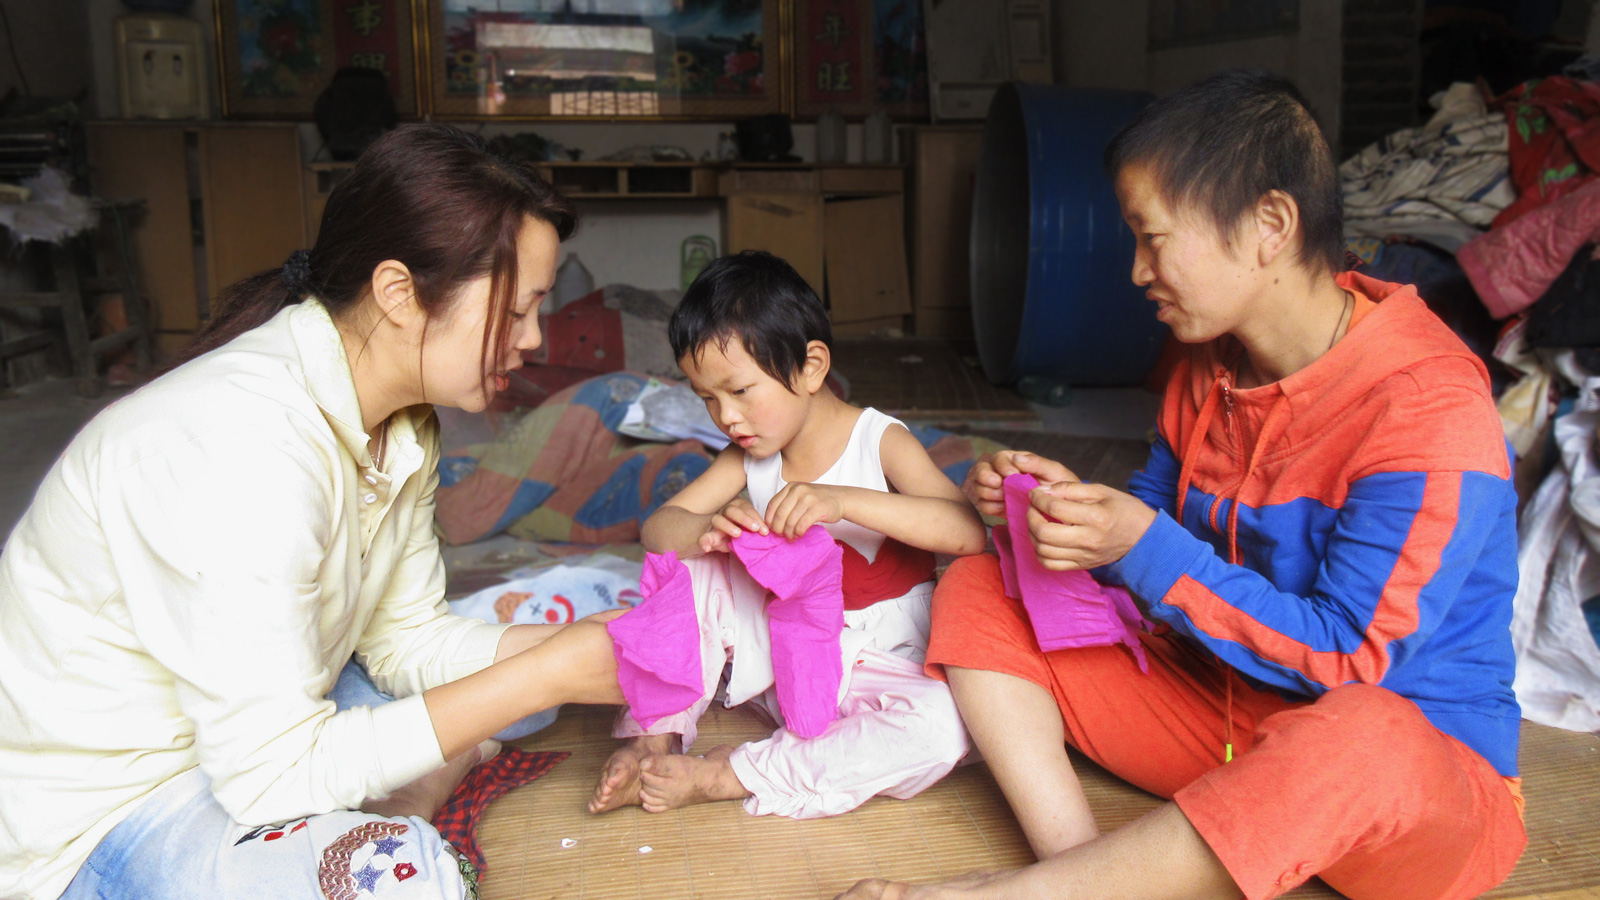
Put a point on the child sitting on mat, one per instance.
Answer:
(754, 341)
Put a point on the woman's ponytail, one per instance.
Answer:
(250, 303)
(429, 196)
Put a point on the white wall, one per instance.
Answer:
(52, 41)
(1101, 44)
(637, 242)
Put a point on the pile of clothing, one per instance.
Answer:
(1492, 208)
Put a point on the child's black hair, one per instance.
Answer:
(760, 300)
(1220, 144)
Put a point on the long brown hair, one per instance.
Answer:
(432, 197)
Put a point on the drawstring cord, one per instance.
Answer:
(1227, 733)
(1197, 436)
(1208, 411)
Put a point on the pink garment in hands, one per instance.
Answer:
(657, 643)
(1067, 609)
(805, 619)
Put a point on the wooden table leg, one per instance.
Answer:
(74, 319)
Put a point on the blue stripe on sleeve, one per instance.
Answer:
(1157, 483)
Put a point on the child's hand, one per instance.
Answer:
(735, 519)
(1080, 526)
(983, 484)
(801, 505)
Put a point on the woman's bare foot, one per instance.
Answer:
(619, 780)
(427, 795)
(883, 889)
(668, 782)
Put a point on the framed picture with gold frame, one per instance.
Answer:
(650, 59)
(859, 55)
(276, 56)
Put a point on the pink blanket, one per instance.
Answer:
(1512, 266)
(1067, 609)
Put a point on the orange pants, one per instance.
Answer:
(1356, 787)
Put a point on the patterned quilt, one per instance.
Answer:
(561, 472)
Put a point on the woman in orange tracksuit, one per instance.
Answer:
(1325, 534)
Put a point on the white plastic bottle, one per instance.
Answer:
(573, 282)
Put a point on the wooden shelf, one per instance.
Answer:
(603, 180)
(624, 181)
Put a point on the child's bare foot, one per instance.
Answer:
(668, 782)
(619, 780)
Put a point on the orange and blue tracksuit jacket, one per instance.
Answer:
(1352, 523)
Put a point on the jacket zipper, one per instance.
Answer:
(1227, 421)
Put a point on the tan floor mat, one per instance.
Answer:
(960, 825)
(924, 378)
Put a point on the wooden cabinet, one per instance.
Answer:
(841, 227)
(789, 225)
(866, 254)
(944, 165)
(224, 201)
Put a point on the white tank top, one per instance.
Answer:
(858, 466)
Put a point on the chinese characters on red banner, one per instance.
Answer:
(366, 36)
(833, 36)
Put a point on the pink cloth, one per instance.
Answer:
(657, 643)
(1067, 609)
(1512, 266)
(804, 619)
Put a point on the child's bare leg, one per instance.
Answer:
(427, 795)
(670, 782)
(619, 780)
(1017, 726)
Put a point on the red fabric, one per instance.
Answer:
(583, 334)
(892, 573)
(1357, 787)
(1512, 267)
(532, 385)
(458, 821)
(1554, 140)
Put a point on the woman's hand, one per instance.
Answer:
(1081, 526)
(735, 519)
(801, 505)
(983, 484)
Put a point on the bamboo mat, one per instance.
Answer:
(717, 852)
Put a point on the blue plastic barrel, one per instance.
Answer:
(1051, 256)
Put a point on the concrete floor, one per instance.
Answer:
(38, 421)
(36, 424)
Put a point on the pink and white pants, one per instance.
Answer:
(897, 733)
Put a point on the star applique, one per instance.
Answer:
(388, 845)
(368, 877)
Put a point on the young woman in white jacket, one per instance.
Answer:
(212, 550)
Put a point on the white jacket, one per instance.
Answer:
(191, 577)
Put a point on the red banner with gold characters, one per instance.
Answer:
(833, 69)
(366, 35)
